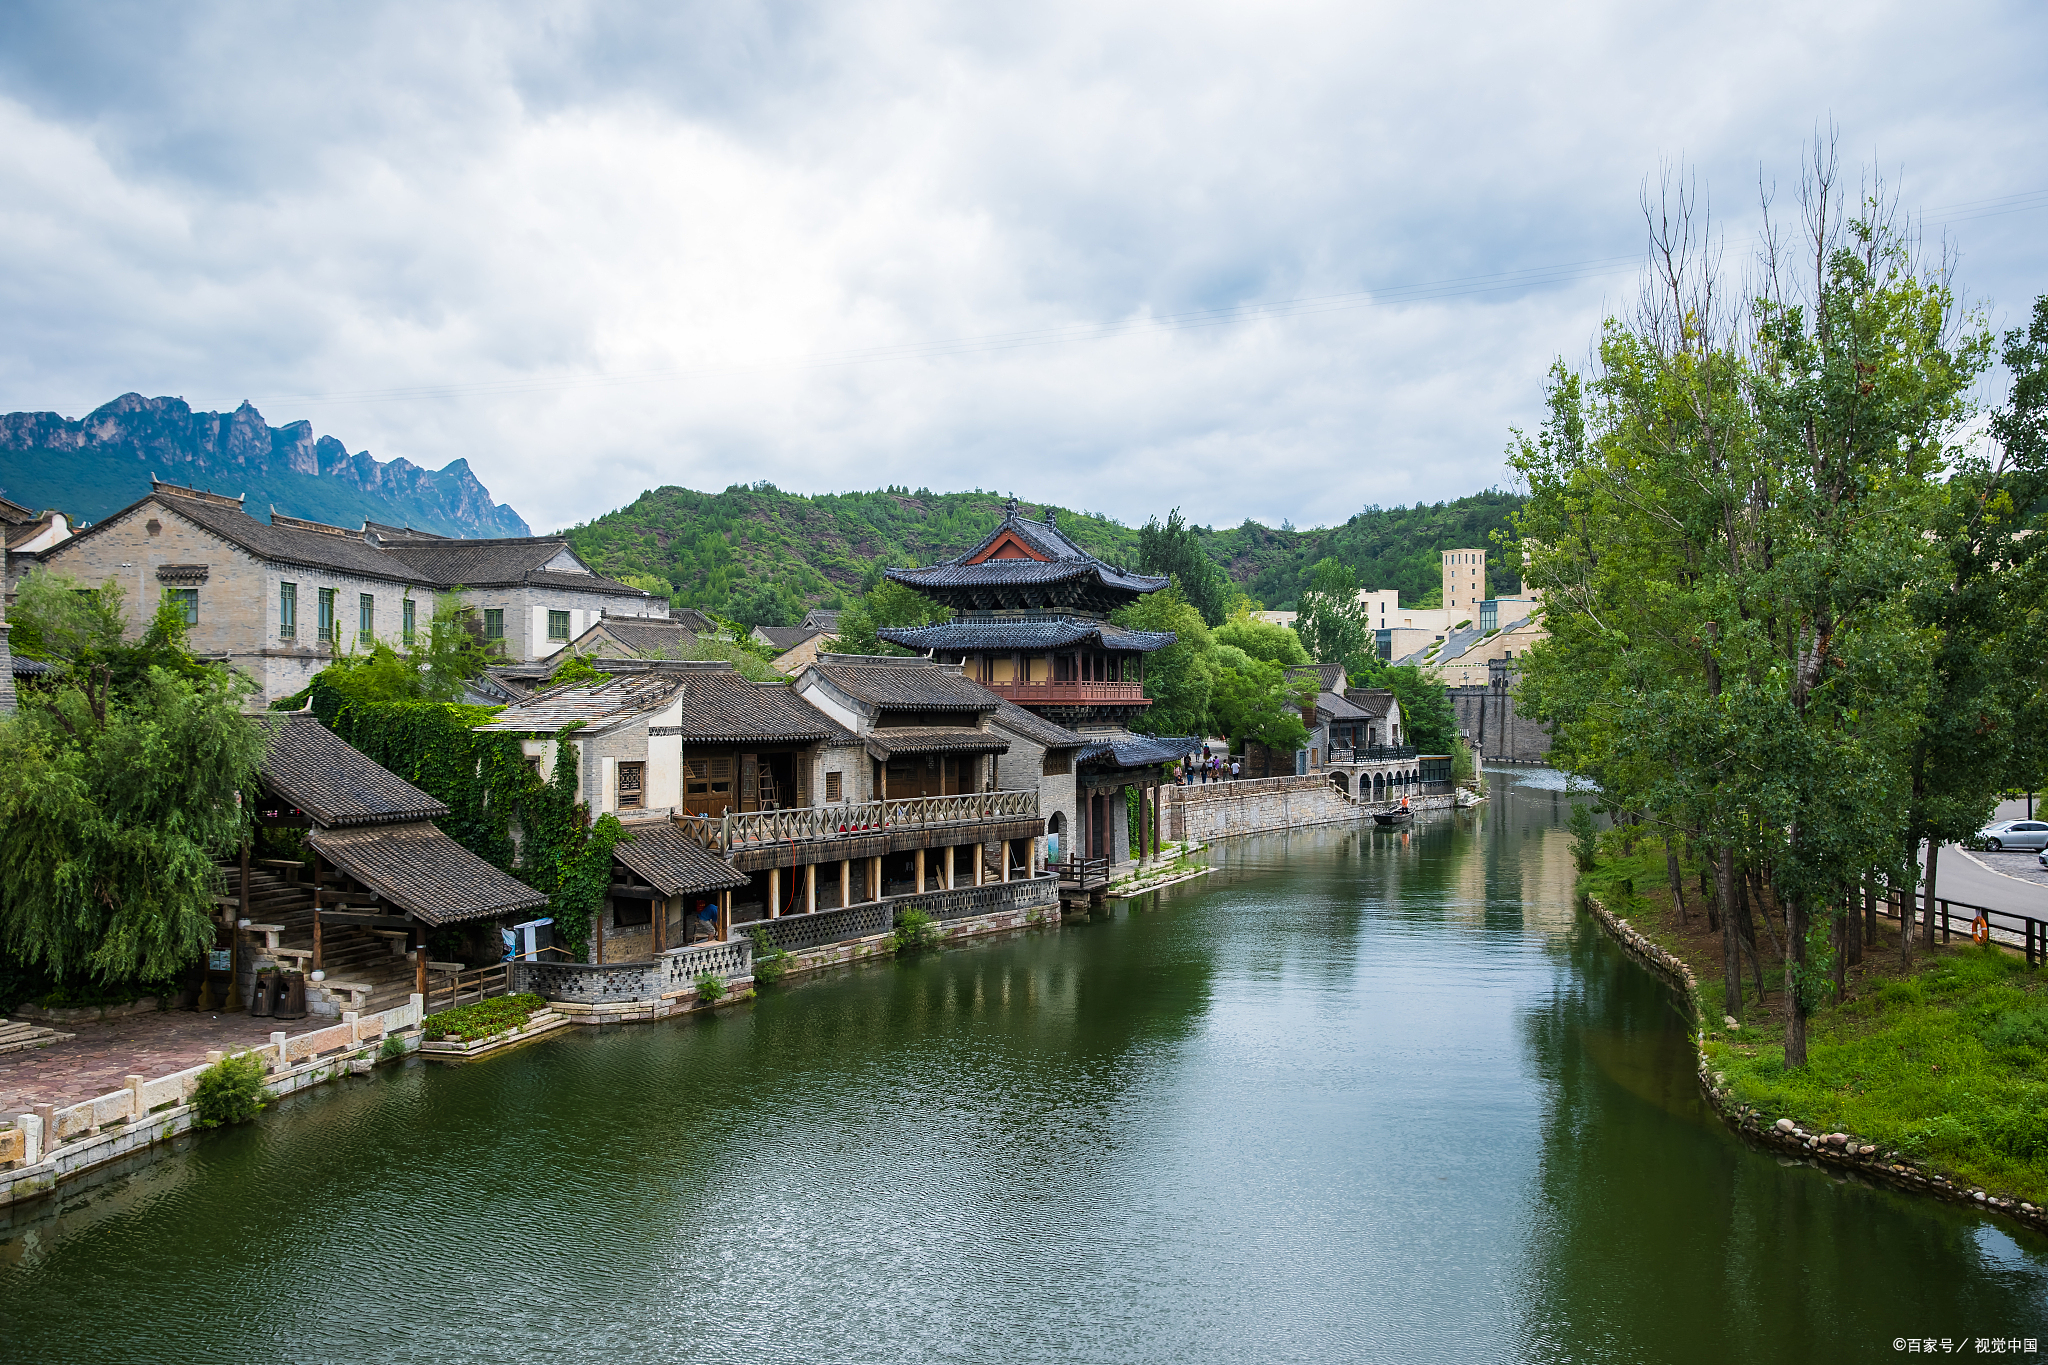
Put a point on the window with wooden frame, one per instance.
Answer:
(832, 787)
(1055, 764)
(632, 779)
(558, 625)
(287, 611)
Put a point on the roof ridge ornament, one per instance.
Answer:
(1010, 510)
(1052, 517)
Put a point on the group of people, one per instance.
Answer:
(1207, 767)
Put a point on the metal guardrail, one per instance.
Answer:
(851, 820)
(2006, 928)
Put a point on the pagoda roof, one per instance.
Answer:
(1026, 563)
(1045, 632)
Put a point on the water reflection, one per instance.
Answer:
(1360, 1094)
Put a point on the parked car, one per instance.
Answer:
(2014, 834)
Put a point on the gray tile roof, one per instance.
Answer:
(784, 637)
(648, 637)
(1329, 677)
(1338, 708)
(285, 544)
(1063, 560)
(1137, 751)
(721, 707)
(332, 781)
(621, 696)
(1045, 632)
(673, 863)
(421, 870)
(823, 620)
(903, 684)
(1037, 729)
(1374, 702)
(934, 739)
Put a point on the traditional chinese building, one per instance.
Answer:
(1031, 624)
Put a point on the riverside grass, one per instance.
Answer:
(1946, 1064)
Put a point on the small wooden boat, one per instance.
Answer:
(1399, 815)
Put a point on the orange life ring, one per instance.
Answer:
(1980, 929)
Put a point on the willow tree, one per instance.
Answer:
(124, 783)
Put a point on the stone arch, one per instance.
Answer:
(1341, 781)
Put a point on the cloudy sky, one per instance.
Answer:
(1275, 260)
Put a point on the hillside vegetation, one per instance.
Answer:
(763, 556)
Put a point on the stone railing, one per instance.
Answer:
(794, 933)
(1373, 753)
(53, 1125)
(597, 983)
(985, 900)
(680, 967)
(853, 819)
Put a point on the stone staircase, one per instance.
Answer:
(19, 1034)
(366, 970)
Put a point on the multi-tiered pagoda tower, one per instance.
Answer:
(1031, 624)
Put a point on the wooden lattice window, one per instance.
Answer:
(708, 777)
(832, 788)
(632, 777)
(1055, 764)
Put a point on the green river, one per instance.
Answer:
(1357, 1095)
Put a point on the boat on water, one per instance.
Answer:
(1399, 815)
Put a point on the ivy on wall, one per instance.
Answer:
(487, 785)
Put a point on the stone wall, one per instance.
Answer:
(1510, 737)
(1219, 810)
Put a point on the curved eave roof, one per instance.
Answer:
(1059, 632)
(1138, 751)
(1025, 572)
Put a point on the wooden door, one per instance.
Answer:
(707, 785)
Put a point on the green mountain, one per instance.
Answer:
(91, 466)
(763, 556)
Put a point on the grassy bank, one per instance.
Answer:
(1946, 1063)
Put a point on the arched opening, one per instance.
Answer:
(1379, 786)
(1056, 849)
(1342, 782)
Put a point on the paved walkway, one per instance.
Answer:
(104, 1055)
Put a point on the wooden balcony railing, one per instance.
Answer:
(849, 820)
(1071, 693)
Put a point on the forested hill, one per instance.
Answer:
(764, 556)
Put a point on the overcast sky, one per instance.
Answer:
(1060, 249)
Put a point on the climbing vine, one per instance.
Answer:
(490, 790)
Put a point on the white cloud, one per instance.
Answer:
(593, 249)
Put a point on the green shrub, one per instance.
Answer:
(394, 1046)
(230, 1091)
(484, 1018)
(709, 987)
(915, 932)
(770, 962)
(1585, 837)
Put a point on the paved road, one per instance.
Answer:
(1965, 876)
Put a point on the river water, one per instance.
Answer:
(1357, 1095)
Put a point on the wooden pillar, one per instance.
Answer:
(419, 959)
(660, 918)
(845, 881)
(1006, 859)
(724, 916)
(920, 872)
(316, 928)
(980, 852)
(774, 893)
(810, 888)
(949, 868)
(874, 873)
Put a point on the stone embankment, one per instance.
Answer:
(43, 1149)
(1219, 810)
(1840, 1150)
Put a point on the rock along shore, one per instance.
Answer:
(1846, 1151)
